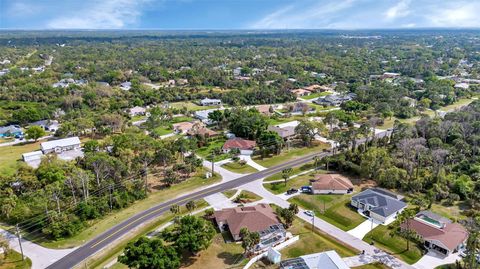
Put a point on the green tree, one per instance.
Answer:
(405, 217)
(35, 132)
(191, 233)
(286, 173)
(190, 206)
(147, 253)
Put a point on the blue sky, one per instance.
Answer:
(237, 14)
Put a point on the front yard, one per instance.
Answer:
(395, 244)
(289, 154)
(206, 151)
(334, 209)
(296, 182)
(239, 168)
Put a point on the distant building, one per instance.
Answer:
(11, 131)
(210, 102)
(334, 99)
(390, 75)
(379, 204)
(331, 184)
(33, 158)
(203, 115)
(47, 125)
(137, 111)
(266, 110)
(437, 233)
(64, 83)
(126, 86)
(463, 86)
(61, 145)
(284, 130)
(237, 71)
(323, 260)
(200, 130)
(245, 146)
(182, 127)
(300, 92)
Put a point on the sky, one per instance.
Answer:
(238, 14)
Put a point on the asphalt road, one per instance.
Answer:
(113, 234)
(116, 232)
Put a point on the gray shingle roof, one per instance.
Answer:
(380, 203)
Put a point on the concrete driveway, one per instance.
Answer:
(433, 260)
(361, 230)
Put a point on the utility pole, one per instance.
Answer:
(110, 194)
(213, 162)
(20, 241)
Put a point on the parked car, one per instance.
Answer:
(306, 189)
(308, 213)
(292, 191)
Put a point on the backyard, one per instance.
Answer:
(334, 209)
(396, 245)
(9, 155)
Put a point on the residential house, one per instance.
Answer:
(334, 99)
(285, 130)
(323, 260)
(259, 218)
(47, 125)
(331, 184)
(11, 131)
(210, 102)
(237, 71)
(182, 81)
(126, 86)
(265, 109)
(202, 115)
(61, 145)
(379, 204)
(463, 86)
(300, 107)
(64, 83)
(437, 233)
(300, 92)
(33, 158)
(183, 127)
(137, 111)
(312, 88)
(200, 130)
(390, 75)
(245, 146)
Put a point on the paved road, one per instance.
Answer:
(119, 230)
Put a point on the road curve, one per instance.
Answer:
(116, 232)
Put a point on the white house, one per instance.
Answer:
(33, 158)
(61, 145)
(126, 86)
(137, 111)
(245, 146)
(331, 184)
(210, 102)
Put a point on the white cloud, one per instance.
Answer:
(456, 14)
(401, 9)
(100, 14)
(319, 15)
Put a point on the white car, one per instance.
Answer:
(308, 213)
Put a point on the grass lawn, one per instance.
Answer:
(181, 119)
(229, 193)
(395, 245)
(372, 266)
(101, 225)
(14, 261)
(246, 197)
(315, 95)
(292, 153)
(460, 103)
(236, 167)
(9, 155)
(162, 130)
(295, 170)
(451, 212)
(296, 182)
(206, 151)
(335, 209)
(313, 242)
(102, 258)
(218, 255)
(190, 106)
(138, 117)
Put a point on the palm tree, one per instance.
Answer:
(405, 217)
(286, 174)
(191, 206)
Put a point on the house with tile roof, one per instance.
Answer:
(331, 184)
(256, 218)
(322, 260)
(437, 233)
(379, 204)
(245, 146)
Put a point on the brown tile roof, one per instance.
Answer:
(264, 109)
(331, 182)
(300, 91)
(202, 131)
(183, 126)
(256, 218)
(451, 235)
(312, 88)
(283, 132)
(239, 143)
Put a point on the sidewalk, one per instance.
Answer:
(250, 162)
